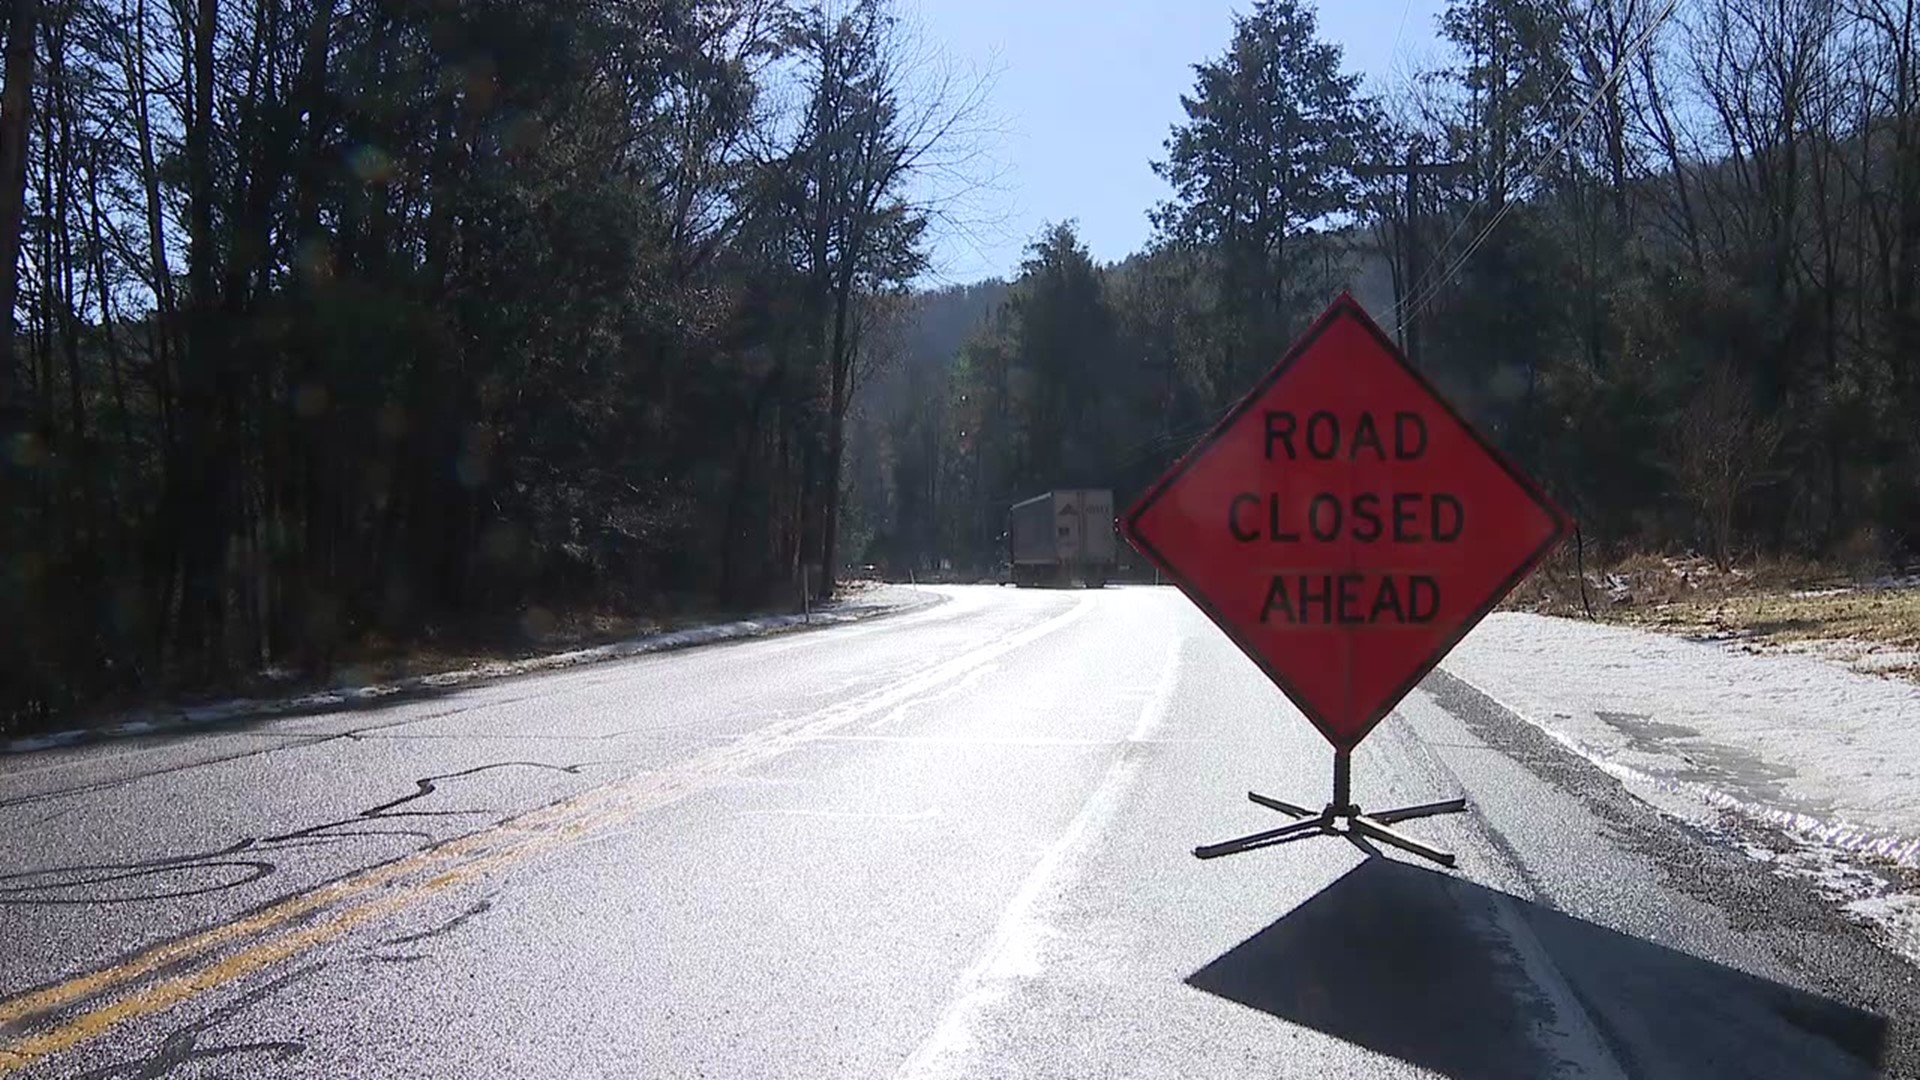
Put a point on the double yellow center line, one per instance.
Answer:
(174, 972)
(59, 1017)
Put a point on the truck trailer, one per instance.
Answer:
(1062, 538)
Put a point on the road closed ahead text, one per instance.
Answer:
(1351, 598)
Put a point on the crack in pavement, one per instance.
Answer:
(182, 1045)
(294, 741)
(34, 886)
(444, 928)
(193, 966)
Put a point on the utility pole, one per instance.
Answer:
(1414, 267)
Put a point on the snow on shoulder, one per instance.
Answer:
(1824, 752)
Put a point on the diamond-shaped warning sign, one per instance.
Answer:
(1344, 525)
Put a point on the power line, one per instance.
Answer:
(1408, 308)
(1166, 440)
(1420, 300)
(1416, 283)
(1405, 10)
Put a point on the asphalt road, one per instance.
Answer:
(953, 842)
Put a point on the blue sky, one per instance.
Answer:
(1080, 98)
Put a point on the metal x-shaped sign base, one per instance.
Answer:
(1375, 826)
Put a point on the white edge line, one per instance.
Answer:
(1017, 938)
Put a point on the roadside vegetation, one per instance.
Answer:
(329, 327)
(328, 323)
(1665, 252)
(1866, 618)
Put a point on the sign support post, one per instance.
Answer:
(1345, 527)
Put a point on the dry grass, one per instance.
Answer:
(1767, 606)
(537, 631)
(377, 660)
(1873, 614)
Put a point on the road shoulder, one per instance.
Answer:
(872, 604)
(1731, 960)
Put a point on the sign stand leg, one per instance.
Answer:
(1375, 826)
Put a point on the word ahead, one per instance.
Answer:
(1344, 525)
(1352, 599)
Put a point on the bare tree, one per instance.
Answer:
(874, 126)
(1719, 451)
(1890, 112)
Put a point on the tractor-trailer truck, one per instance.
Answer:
(1062, 538)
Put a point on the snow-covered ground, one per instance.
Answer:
(1827, 754)
(864, 603)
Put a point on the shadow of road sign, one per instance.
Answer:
(1412, 964)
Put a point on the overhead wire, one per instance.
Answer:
(1401, 311)
(1466, 217)
(1417, 300)
(1419, 296)
(1171, 438)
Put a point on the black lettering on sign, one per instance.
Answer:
(1387, 600)
(1423, 599)
(1405, 506)
(1366, 434)
(1280, 430)
(1414, 517)
(1350, 599)
(1409, 436)
(1233, 517)
(1449, 517)
(1366, 517)
(1277, 601)
(1323, 435)
(1274, 531)
(1308, 598)
(1315, 518)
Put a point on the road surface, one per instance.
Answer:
(953, 842)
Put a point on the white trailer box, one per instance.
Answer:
(1063, 537)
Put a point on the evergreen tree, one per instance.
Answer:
(1274, 128)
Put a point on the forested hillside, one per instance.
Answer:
(1668, 253)
(335, 320)
(901, 432)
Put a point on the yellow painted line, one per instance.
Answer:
(530, 833)
(569, 819)
(544, 827)
(522, 829)
(154, 959)
(169, 992)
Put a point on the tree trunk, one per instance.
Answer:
(116, 376)
(63, 294)
(16, 101)
(1676, 163)
(842, 353)
(199, 486)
